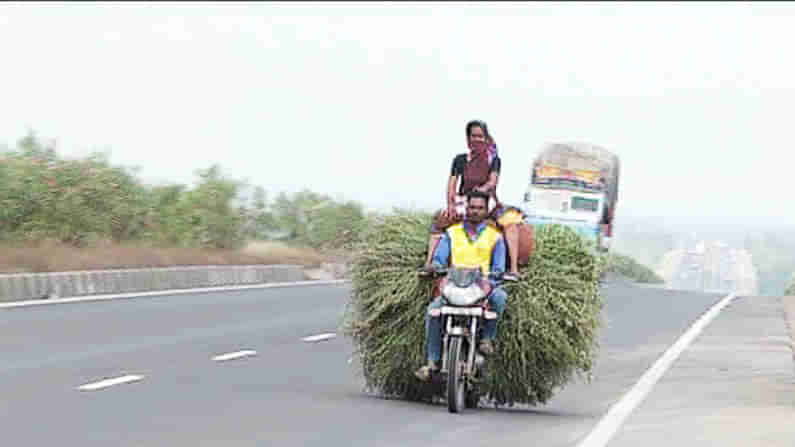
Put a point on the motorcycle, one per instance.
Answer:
(464, 310)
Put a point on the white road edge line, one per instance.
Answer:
(620, 411)
(80, 299)
(109, 382)
(319, 337)
(233, 355)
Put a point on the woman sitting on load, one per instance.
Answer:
(477, 170)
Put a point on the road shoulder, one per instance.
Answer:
(734, 386)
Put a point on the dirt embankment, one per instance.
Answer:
(52, 257)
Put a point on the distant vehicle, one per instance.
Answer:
(574, 184)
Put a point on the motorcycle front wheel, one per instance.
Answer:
(455, 377)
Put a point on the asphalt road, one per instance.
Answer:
(292, 392)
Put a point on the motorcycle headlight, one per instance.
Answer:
(462, 296)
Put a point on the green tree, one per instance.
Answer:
(317, 220)
(43, 195)
(260, 217)
(209, 210)
(334, 225)
(292, 213)
(163, 223)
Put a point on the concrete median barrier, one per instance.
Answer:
(36, 286)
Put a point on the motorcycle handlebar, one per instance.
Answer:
(443, 272)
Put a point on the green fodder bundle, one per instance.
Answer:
(547, 333)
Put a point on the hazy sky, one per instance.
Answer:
(368, 101)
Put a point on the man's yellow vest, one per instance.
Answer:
(467, 254)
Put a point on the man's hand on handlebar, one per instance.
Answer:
(436, 270)
(433, 270)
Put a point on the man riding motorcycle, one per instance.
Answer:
(475, 242)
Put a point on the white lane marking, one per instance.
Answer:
(319, 337)
(620, 411)
(233, 355)
(109, 382)
(80, 299)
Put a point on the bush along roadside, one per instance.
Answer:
(83, 202)
(628, 267)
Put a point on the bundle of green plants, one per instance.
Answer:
(547, 334)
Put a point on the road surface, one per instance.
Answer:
(279, 390)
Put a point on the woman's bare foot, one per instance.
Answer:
(510, 276)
